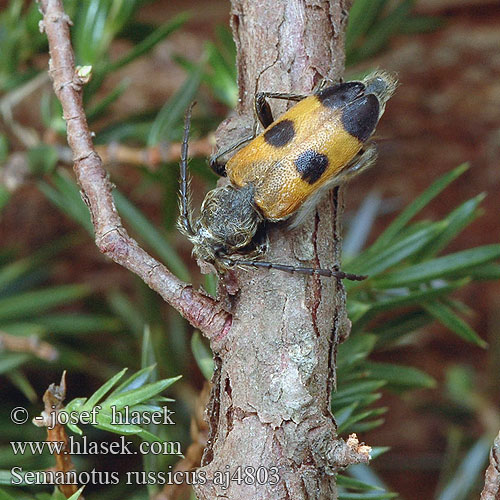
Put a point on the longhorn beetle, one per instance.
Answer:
(321, 142)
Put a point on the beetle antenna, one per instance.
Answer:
(184, 221)
(299, 270)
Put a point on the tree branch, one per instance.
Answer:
(112, 239)
(32, 345)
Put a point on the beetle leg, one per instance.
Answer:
(185, 216)
(218, 166)
(326, 82)
(262, 108)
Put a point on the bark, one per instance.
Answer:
(491, 489)
(270, 406)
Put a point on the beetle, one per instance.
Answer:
(279, 175)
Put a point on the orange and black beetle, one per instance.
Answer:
(280, 174)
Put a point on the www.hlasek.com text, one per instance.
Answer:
(84, 446)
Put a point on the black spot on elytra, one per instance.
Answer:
(311, 165)
(280, 134)
(360, 117)
(341, 94)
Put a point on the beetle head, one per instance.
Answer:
(228, 222)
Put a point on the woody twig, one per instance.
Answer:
(32, 345)
(53, 401)
(111, 238)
